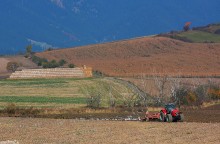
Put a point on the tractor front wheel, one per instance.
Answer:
(169, 118)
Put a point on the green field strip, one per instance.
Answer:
(28, 82)
(28, 99)
(200, 36)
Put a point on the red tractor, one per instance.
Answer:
(171, 114)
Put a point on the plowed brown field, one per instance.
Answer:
(56, 131)
(149, 55)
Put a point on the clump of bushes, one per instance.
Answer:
(94, 101)
(71, 65)
(197, 95)
(97, 73)
(39, 61)
(12, 66)
(29, 52)
(11, 109)
(214, 93)
(62, 62)
(53, 64)
(48, 64)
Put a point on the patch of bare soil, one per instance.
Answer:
(209, 114)
(149, 55)
(203, 115)
(35, 131)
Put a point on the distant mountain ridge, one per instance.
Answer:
(68, 23)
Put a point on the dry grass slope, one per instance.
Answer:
(23, 62)
(147, 55)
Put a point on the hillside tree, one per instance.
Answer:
(175, 85)
(160, 82)
(144, 86)
(12, 66)
(187, 26)
(28, 50)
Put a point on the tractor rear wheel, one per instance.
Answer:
(169, 118)
(162, 117)
(181, 117)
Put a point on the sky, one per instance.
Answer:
(70, 23)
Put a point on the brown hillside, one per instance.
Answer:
(147, 55)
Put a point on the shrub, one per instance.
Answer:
(71, 65)
(54, 64)
(214, 93)
(181, 96)
(200, 92)
(29, 112)
(10, 109)
(191, 98)
(187, 26)
(97, 73)
(94, 101)
(62, 62)
(51, 64)
(12, 66)
(39, 61)
(28, 51)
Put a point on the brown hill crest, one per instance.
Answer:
(148, 55)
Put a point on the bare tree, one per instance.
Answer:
(144, 86)
(175, 86)
(128, 99)
(160, 82)
(93, 96)
(94, 101)
(201, 92)
(195, 82)
(111, 98)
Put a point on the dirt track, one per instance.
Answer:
(28, 130)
